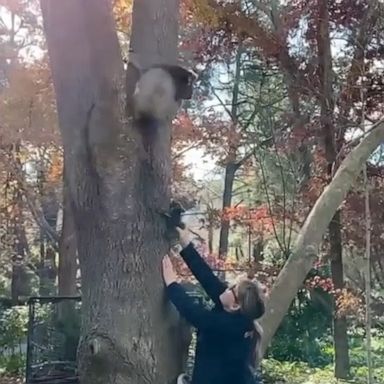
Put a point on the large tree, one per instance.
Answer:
(117, 189)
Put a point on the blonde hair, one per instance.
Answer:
(250, 298)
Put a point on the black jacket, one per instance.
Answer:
(223, 352)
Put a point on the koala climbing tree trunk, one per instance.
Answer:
(116, 189)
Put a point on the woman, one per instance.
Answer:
(227, 335)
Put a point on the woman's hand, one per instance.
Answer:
(185, 237)
(169, 273)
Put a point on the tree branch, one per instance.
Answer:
(185, 150)
(363, 36)
(41, 221)
(310, 236)
(36, 213)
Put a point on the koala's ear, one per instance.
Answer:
(133, 73)
(184, 80)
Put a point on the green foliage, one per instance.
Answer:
(358, 351)
(13, 364)
(3, 285)
(13, 332)
(298, 372)
(13, 327)
(301, 373)
(304, 335)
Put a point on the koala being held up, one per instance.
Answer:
(159, 93)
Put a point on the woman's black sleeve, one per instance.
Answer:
(203, 273)
(197, 315)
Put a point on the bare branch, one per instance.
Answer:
(36, 212)
(185, 150)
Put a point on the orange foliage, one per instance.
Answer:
(217, 14)
(55, 170)
(325, 284)
(123, 14)
(27, 106)
(259, 219)
(184, 131)
(203, 11)
(348, 303)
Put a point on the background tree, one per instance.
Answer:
(306, 79)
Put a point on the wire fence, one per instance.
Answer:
(53, 336)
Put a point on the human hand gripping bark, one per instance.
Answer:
(185, 236)
(169, 273)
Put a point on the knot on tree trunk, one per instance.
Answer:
(94, 347)
(311, 251)
(105, 356)
(99, 347)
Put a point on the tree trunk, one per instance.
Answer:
(340, 328)
(47, 268)
(49, 205)
(20, 284)
(117, 189)
(20, 244)
(48, 272)
(329, 132)
(67, 272)
(210, 228)
(67, 250)
(230, 171)
(232, 165)
(368, 280)
(16, 280)
(295, 270)
(18, 259)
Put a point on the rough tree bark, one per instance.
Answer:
(309, 238)
(67, 250)
(368, 279)
(20, 247)
(340, 325)
(327, 118)
(18, 286)
(232, 165)
(230, 172)
(117, 190)
(49, 210)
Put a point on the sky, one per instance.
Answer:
(201, 167)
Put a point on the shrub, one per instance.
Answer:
(13, 333)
